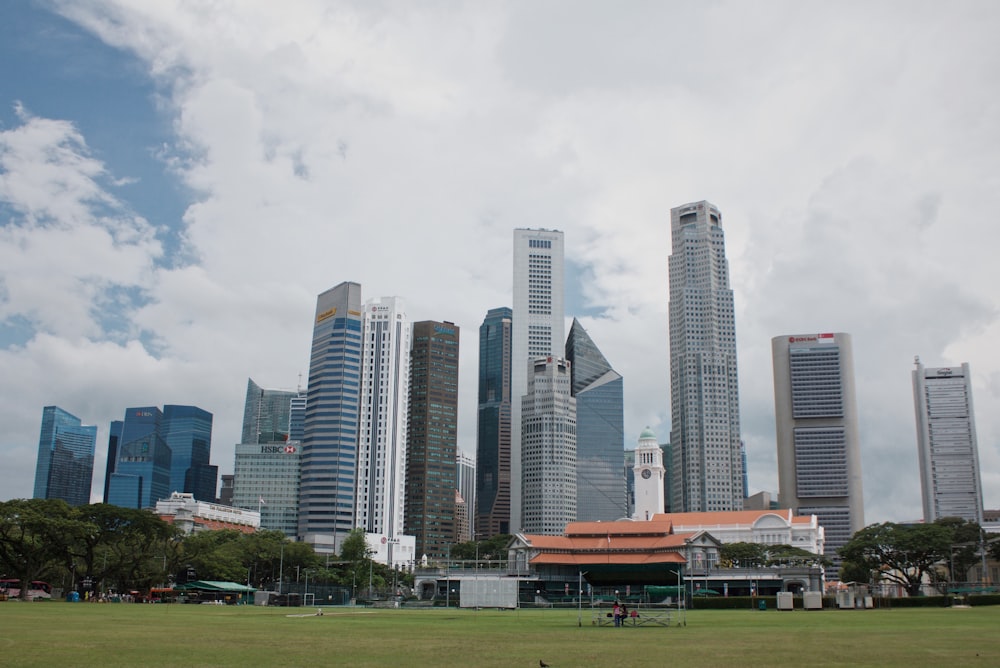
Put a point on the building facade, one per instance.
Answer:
(493, 426)
(266, 480)
(649, 474)
(65, 466)
(816, 420)
(187, 431)
(950, 481)
(330, 430)
(537, 331)
(548, 425)
(266, 414)
(382, 418)
(600, 430)
(432, 438)
(141, 475)
(191, 515)
(465, 472)
(707, 466)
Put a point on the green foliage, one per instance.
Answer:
(493, 548)
(735, 555)
(899, 553)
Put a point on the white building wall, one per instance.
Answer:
(385, 384)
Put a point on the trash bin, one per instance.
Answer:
(762, 605)
(73, 597)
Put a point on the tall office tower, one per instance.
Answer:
(330, 443)
(629, 474)
(707, 470)
(266, 480)
(816, 419)
(650, 476)
(667, 478)
(187, 430)
(226, 481)
(268, 462)
(950, 482)
(465, 472)
(600, 430)
(432, 438)
(548, 425)
(537, 331)
(114, 438)
(141, 475)
(297, 418)
(385, 395)
(266, 414)
(65, 467)
(493, 425)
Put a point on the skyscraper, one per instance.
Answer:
(707, 467)
(600, 430)
(493, 425)
(816, 420)
(268, 461)
(385, 394)
(465, 471)
(329, 447)
(266, 414)
(537, 331)
(432, 438)
(65, 467)
(187, 431)
(141, 476)
(548, 425)
(950, 482)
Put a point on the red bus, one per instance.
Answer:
(38, 589)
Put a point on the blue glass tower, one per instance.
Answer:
(187, 431)
(65, 467)
(330, 442)
(142, 467)
(492, 513)
(600, 431)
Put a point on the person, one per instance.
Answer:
(624, 614)
(617, 612)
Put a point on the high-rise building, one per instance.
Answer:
(65, 467)
(266, 480)
(548, 425)
(649, 475)
(707, 468)
(329, 446)
(816, 420)
(266, 414)
(465, 472)
(114, 438)
(537, 331)
(268, 463)
(385, 395)
(493, 433)
(141, 476)
(950, 482)
(187, 431)
(600, 431)
(432, 438)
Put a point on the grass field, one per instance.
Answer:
(86, 634)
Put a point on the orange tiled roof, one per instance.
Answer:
(611, 558)
(727, 517)
(619, 528)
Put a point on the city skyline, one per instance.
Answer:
(177, 187)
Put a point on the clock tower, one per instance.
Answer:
(649, 473)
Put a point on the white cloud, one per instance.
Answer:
(852, 149)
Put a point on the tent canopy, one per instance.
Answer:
(214, 585)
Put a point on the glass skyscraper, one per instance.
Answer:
(492, 513)
(600, 430)
(432, 438)
(330, 443)
(707, 465)
(187, 431)
(65, 466)
(142, 468)
(266, 414)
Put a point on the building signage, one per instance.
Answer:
(326, 314)
(817, 338)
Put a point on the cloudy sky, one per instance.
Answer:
(179, 180)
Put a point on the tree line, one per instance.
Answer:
(100, 547)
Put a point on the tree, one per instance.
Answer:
(898, 553)
(34, 537)
(494, 547)
(732, 555)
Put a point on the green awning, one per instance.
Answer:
(214, 585)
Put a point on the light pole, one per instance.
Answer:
(281, 565)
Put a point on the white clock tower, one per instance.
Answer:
(649, 473)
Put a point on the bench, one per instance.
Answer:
(644, 618)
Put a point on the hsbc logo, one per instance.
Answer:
(289, 449)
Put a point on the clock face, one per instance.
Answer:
(646, 473)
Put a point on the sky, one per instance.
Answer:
(180, 180)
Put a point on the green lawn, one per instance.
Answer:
(87, 634)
